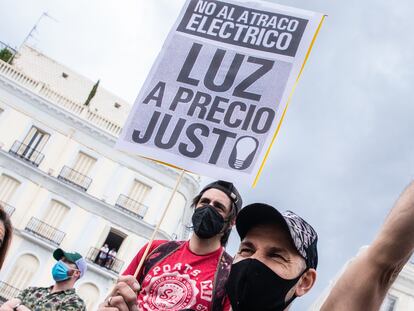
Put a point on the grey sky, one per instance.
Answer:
(345, 150)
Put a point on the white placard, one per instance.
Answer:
(216, 94)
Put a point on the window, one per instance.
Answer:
(389, 303)
(114, 239)
(107, 255)
(138, 191)
(31, 147)
(78, 174)
(8, 187)
(133, 202)
(84, 163)
(90, 295)
(23, 271)
(55, 214)
(35, 140)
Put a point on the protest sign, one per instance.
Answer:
(216, 95)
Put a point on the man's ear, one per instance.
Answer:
(76, 274)
(306, 282)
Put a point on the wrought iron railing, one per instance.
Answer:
(104, 260)
(26, 153)
(8, 208)
(75, 178)
(45, 231)
(7, 292)
(131, 206)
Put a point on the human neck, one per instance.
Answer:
(62, 286)
(204, 246)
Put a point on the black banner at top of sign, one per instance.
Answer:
(242, 26)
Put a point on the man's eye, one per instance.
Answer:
(276, 256)
(221, 208)
(245, 251)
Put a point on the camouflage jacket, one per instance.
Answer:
(41, 299)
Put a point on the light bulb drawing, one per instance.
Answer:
(243, 152)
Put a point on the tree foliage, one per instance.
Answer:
(5, 55)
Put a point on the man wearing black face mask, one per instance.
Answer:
(276, 261)
(185, 275)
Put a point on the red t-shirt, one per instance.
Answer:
(183, 280)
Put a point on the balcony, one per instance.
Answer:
(7, 208)
(131, 206)
(112, 264)
(26, 153)
(75, 178)
(7, 292)
(45, 231)
(85, 200)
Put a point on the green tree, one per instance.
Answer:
(5, 55)
(91, 94)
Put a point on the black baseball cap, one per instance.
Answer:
(229, 189)
(304, 237)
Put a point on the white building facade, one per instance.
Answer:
(65, 185)
(400, 297)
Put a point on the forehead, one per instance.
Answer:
(217, 195)
(266, 236)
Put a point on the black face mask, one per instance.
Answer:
(253, 286)
(207, 222)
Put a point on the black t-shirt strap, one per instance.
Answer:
(158, 254)
(220, 279)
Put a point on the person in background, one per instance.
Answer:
(6, 233)
(111, 258)
(103, 255)
(69, 268)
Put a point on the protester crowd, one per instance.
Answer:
(276, 263)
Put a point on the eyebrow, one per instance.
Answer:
(272, 249)
(216, 203)
(280, 250)
(247, 244)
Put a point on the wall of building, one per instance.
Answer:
(79, 219)
(70, 83)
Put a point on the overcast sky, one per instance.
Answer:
(346, 148)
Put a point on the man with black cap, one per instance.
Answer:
(276, 261)
(185, 275)
(69, 268)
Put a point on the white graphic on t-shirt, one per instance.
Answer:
(171, 291)
(206, 290)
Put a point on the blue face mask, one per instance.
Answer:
(60, 272)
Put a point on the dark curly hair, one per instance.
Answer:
(8, 232)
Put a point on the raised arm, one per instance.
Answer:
(366, 280)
